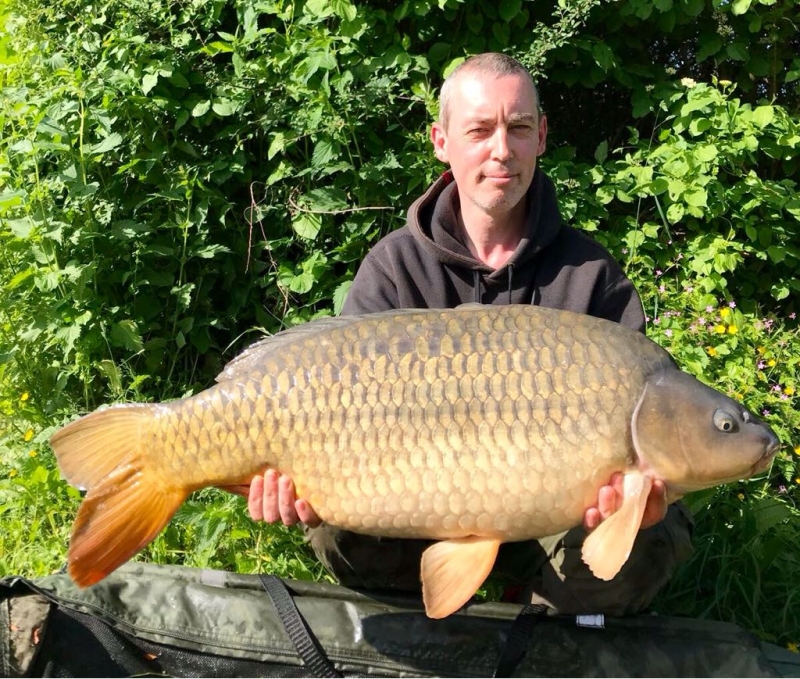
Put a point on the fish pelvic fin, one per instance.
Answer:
(452, 571)
(607, 548)
(129, 498)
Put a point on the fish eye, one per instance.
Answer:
(725, 422)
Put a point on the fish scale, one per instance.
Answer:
(472, 426)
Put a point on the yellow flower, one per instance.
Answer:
(792, 646)
(740, 496)
(12, 473)
(797, 450)
(760, 350)
(32, 453)
(771, 363)
(28, 435)
(789, 391)
(725, 312)
(25, 396)
(732, 329)
(797, 480)
(720, 329)
(711, 351)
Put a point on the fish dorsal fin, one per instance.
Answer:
(453, 570)
(253, 355)
(608, 547)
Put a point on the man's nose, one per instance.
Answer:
(500, 149)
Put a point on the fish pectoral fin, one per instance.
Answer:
(453, 570)
(607, 548)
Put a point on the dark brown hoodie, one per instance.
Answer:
(426, 265)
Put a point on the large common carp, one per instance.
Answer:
(471, 426)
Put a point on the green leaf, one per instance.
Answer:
(149, 81)
(21, 228)
(508, 9)
(327, 199)
(302, 283)
(307, 225)
(603, 56)
(737, 51)
(223, 107)
(324, 152)
(20, 278)
(276, 145)
(709, 46)
(344, 9)
(126, 334)
(763, 115)
(201, 109)
(340, 296)
(696, 197)
(776, 254)
(110, 370)
(705, 153)
(698, 126)
(675, 213)
(605, 194)
(111, 142)
(601, 152)
(740, 6)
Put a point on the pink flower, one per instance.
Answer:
(668, 332)
(732, 305)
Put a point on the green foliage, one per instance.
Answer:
(176, 179)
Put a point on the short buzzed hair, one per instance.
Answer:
(489, 63)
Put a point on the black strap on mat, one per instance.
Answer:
(519, 637)
(307, 645)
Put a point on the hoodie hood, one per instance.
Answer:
(433, 222)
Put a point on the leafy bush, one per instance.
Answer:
(177, 178)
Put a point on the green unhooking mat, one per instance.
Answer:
(149, 620)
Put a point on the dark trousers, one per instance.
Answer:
(550, 570)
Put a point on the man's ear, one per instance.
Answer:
(542, 135)
(439, 139)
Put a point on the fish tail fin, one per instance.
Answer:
(129, 500)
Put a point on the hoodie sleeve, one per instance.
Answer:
(372, 290)
(620, 302)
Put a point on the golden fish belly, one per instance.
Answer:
(426, 426)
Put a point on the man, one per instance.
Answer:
(489, 231)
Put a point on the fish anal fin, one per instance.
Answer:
(117, 518)
(453, 570)
(607, 548)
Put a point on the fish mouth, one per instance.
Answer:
(766, 459)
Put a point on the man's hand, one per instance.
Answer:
(272, 498)
(609, 500)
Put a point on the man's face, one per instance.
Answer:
(493, 138)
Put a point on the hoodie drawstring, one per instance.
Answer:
(477, 284)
